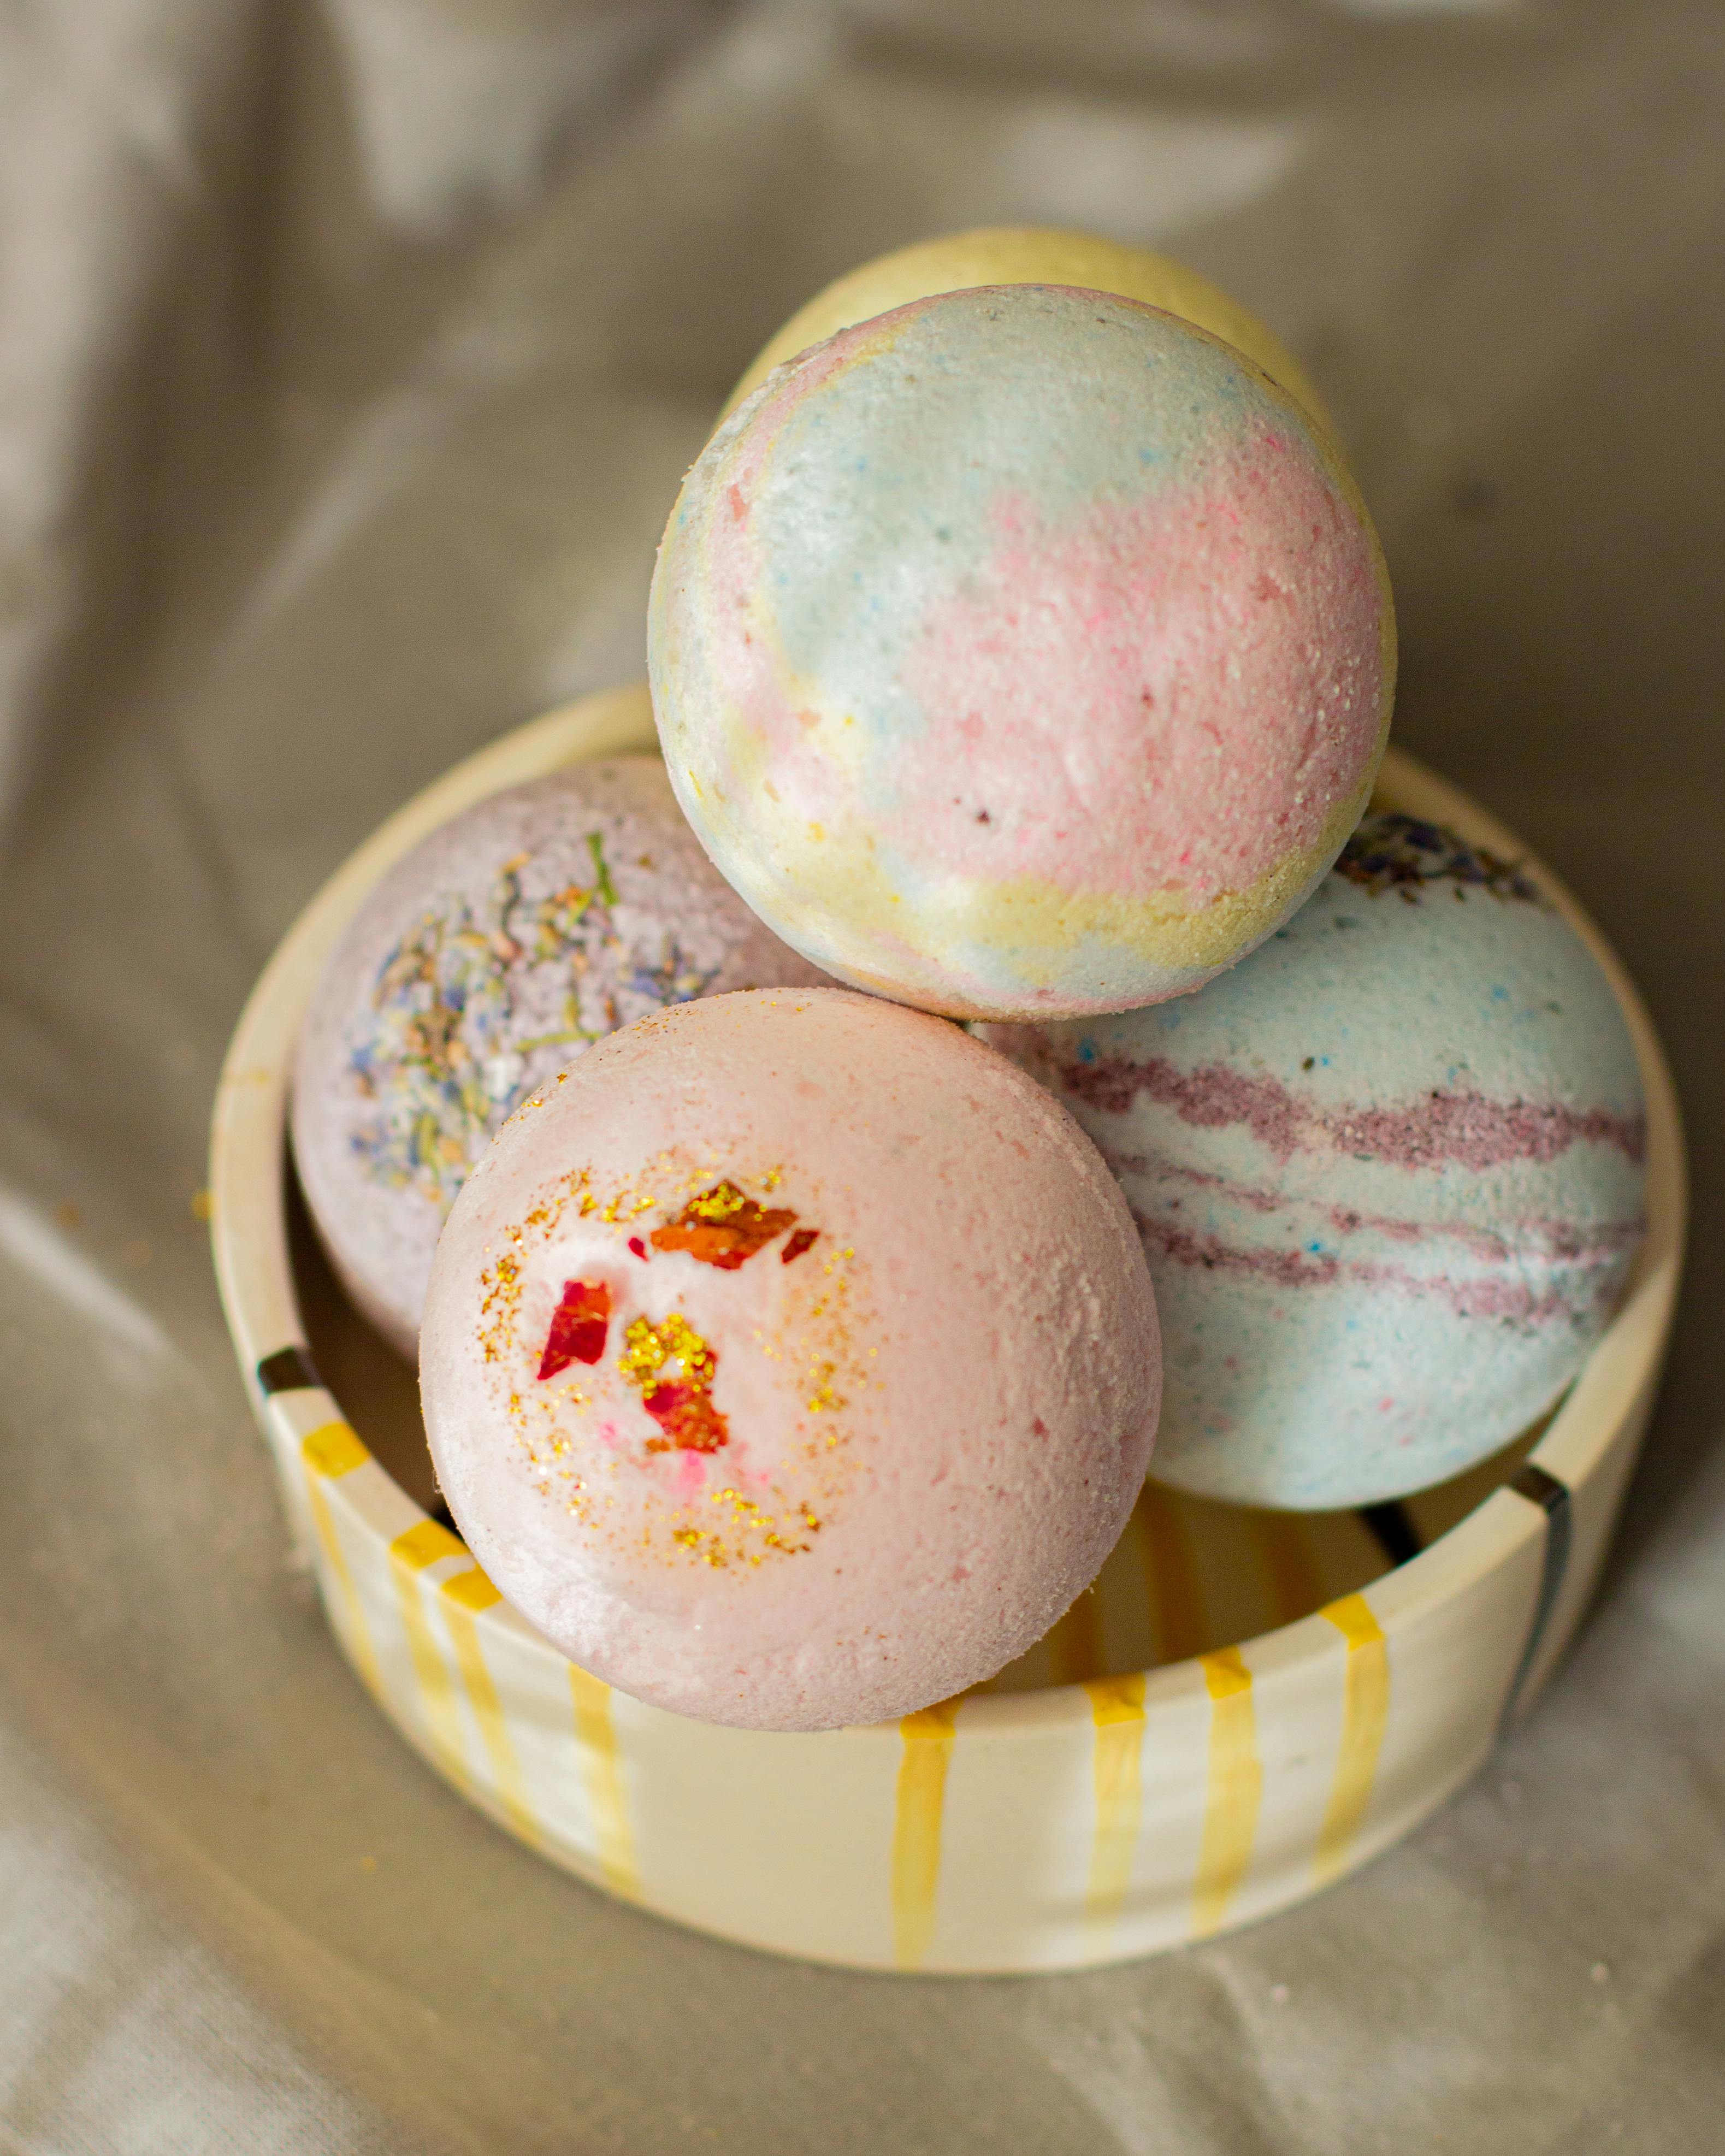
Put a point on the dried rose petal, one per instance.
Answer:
(721, 1228)
(578, 1326)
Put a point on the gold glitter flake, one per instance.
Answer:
(651, 1346)
(777, 1535)
(718, 1204)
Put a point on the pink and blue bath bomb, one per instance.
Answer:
(1388, 1173)
(1022, 652)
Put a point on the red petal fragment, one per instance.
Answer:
(686, 1415)
(805, 1238)
(721, 1228)
(578, 1326)
(638, 1246)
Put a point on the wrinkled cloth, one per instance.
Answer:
(351, 352)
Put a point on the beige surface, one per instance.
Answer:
(348, 357)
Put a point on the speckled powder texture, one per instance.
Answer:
(1388, 1173)
(528, 927)
(791, 1361)
(1024, 650)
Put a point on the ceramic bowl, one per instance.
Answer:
(1247, 1706)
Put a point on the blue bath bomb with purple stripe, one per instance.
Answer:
(1389, 1172)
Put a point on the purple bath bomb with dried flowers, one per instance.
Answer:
(533, 924)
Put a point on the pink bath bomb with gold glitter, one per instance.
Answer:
(791, 1361)
(1025, 651)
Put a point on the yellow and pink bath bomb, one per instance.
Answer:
(1024, 651)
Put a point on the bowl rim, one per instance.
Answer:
(250, 1167)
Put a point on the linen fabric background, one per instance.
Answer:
(351, 352)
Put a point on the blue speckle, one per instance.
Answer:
(1316, 1249)
(1087, 1052)
(1499, 995)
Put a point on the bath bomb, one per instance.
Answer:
(791, 1360)
(1025, 651)
(530, 926)
(1388, 1173)
(1032, 255)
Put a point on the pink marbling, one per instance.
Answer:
(1020, 651)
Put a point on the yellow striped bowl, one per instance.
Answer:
(1246, 1707)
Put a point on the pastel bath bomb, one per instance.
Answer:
(1388, 1173)
(791, 1361)
(530, 926)
(1023, 651)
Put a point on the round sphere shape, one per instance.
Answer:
(532, 925)
(1388, 1173)
(1022, 652)
(1032, 255)
(792, 1361)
